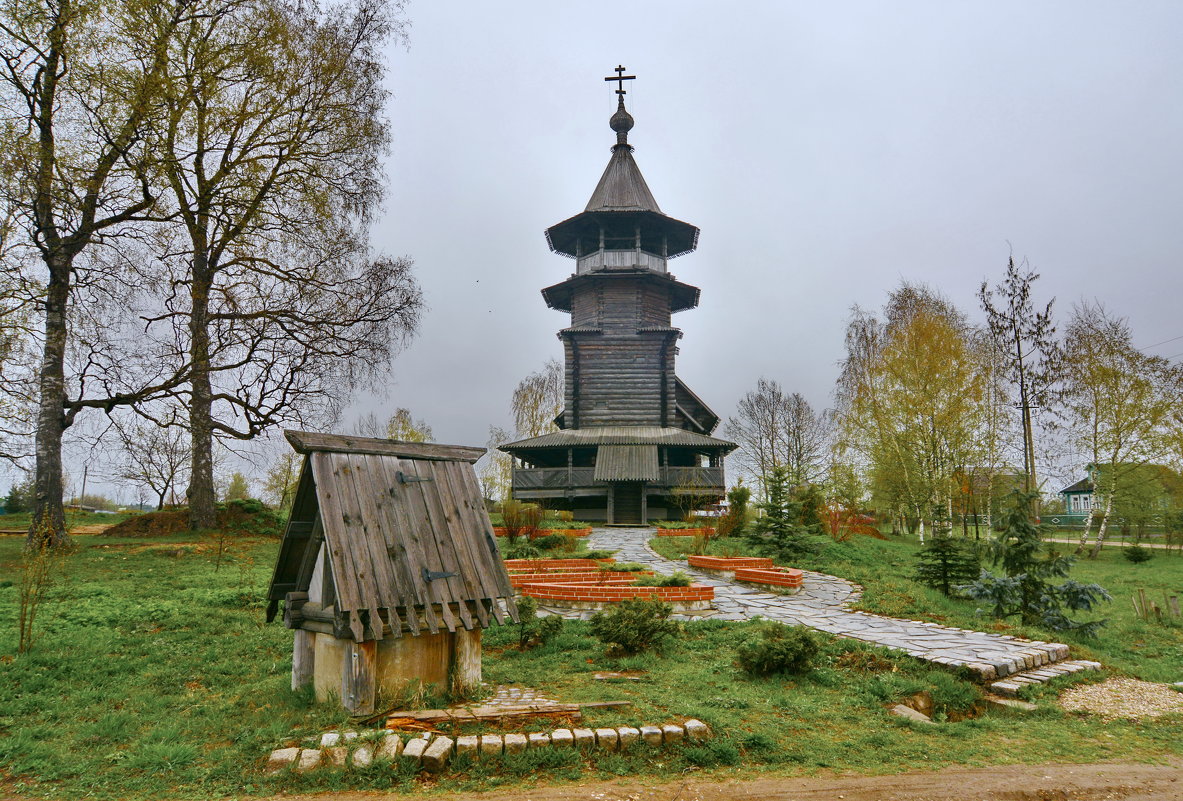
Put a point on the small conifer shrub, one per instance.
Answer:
(778, 649)
(634, 625)
(947, 562)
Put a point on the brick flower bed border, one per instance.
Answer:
(685, 532)
(544, 565)
(577, 576)
(785, 577)
(594, 594)
(728, 563)
(546, 532)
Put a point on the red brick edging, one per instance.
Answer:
(728, 562)
(615, 590)
(546, 532)
(685, 532)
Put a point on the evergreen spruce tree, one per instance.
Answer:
(781, 531)
(946, 562)
(1029, 566)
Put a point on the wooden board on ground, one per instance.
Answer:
(415, 718)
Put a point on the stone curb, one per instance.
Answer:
(433, 752)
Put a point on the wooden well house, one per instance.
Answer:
(388, 569)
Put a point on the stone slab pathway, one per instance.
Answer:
(822, 604)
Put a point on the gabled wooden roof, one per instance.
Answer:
(407, 536)
(627, 463)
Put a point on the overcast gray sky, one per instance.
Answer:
(826, 150)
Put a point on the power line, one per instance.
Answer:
(1165, 341)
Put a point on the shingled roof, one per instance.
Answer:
(622, 187)
(620, 435)
(406, 536)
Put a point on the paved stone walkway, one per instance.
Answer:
(822, 604)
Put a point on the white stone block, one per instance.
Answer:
(561, 738)
(390, 746)
(696, 730)
(628, 735)
(671, 733)
(469, 744)
(492, 745)
(908, 713)
(336, 756)
(282, 758)
(308, 760)
(651, 735)
(363, 757)
(515, 743)
(538, 740)
(435, 758)
(413, 750)
(607, 739)
(330, 739)
(584, 738)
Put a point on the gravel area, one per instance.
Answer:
(1123, 698)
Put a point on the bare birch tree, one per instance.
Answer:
(271, 144)
(80, 80)
(152, 456)
(909, 398)
(538, 400)
(775, 429)
(1027, 338)
(1119, 405)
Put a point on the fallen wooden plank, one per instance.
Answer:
(404, 717)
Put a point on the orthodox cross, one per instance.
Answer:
(620, 78)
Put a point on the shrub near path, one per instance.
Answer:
(156, 678)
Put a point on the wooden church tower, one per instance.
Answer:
(632, 437)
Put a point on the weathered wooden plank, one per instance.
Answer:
(453, 535)
(303, 658)
(386, 533)
(359, 677)
(372, 547)
(466, 663)
(478, 713)
(407, 562)
(311, 442)
(488, 554)
(436, 496)
(337, 535)
(462, 586)
(362, 576)
(411, 540)
(468, 527)
(418, 493)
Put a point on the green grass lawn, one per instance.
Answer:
(155, 676)
(1147, 650)
(21, 520)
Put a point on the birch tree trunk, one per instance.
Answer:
(48, 525)
(1084, 535)
(203, 513)
(1103, 528)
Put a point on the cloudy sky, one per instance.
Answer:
(826, 150)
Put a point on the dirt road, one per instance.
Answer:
(1130, 782)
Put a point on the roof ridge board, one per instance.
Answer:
(312, 442)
